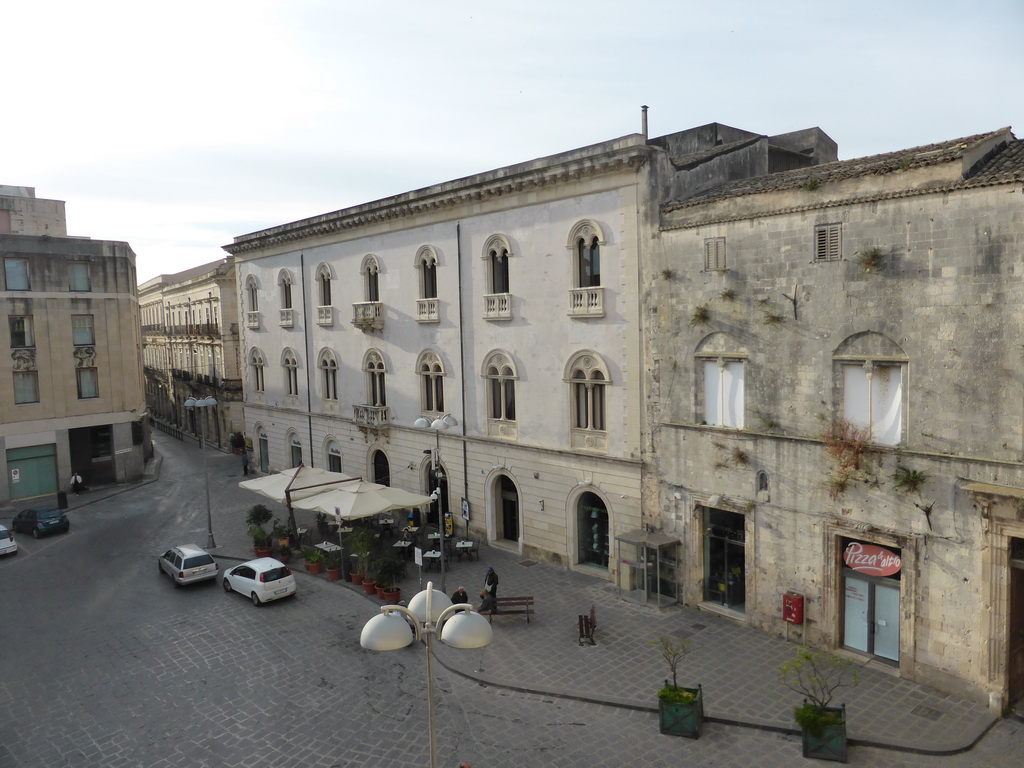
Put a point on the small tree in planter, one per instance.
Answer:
(333, 564)
(388, 570)
(261, 543)
(818, 674)
(361, 543)
(237, 442)
(284, 553)
(280, 532)
(258, 515)
(680, 710)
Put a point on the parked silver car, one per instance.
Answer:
(188, 564)
(8, 546)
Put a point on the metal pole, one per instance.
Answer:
(210, 543)
(431, 714)
(440, 506)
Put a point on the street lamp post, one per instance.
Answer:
(439, 425)
(429, 613)
(207, 402)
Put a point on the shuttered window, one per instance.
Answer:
(714, 254)
(828, 242)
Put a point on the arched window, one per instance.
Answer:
(592, 527)
(431, 373)
(587, 376)
(585, 241)
(256, 366)
(291, 372)
(333, 456)
(253, 292)
(721, 396)
(373, 366)
(501, 376)
(869, 371)
(370, 270)
(284, 279)
(323, 282)
(264, 448)
(426, 263)
(295, 445)
(498, 261)
(328, 375)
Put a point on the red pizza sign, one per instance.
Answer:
(871, 559)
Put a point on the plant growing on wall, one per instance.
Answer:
(845, 445)
(667, 274)
(727, 295)
(701, 315)
(812, 183)
(908, 480)
(870, 259)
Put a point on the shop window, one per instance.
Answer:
(871, 599)
(592, 525)
(725, 559)
(264, 445)
(333, 457)
(295, 446)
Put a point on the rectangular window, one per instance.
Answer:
(78, 275)
(87, 383)
(16, 274)
(873, 400)
(81, 330)
(21, 331)
(828, 242)
(723, 394)
(714, 254)
(26, 387)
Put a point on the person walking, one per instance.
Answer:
(245, 462)
(491, 583)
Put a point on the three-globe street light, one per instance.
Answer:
(439, 425)
(207, 402)
(429, 613)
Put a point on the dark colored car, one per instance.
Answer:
(40, 521)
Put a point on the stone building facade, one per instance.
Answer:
(835, 363)
(73, 399)
(508, 300)
(191, 349)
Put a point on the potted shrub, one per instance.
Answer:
(388, 571)
(261, 543)
(333, 564)
(361, 543)
(237, 442)
(321, 523)
(818, 674)
(370, 579)
(280, 532)
(314, 560)
(284, 553)
(258, 516)
(680, 710)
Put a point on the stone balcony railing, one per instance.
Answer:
(368, 315)
(586, 302)
(428, 311)
(325, 316)
(370, 415)
(498, 306)
(252, 319)
(287, 319)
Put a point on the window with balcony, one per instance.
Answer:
(284, 281)
(252, 312)
(16, 274)
(369, 313)
(500, 373)
(431, 373)
(586, 297)
(374, 412)
(427, 310)
(78, 276)
(325, 304)
(587, 377)
(82, 333)
(498, 300)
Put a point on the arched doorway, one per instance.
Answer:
(592, 527)
(506, 512)
(381, 468)
(264, 452)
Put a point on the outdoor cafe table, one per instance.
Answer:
(432, 559)
(327, 547)
(463, 548)
(403, 546)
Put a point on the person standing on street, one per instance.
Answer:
(76, 482)
(491, 583)
(245, 462)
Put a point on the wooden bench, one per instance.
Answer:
(588, 625)
(511, 605)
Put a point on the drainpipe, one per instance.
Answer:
(462, 366)
(305, 337)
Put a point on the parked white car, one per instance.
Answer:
(261, 580)
(187, 564)
(8, 546)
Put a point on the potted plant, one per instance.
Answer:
(680, 710)
(284, 553)
(321, 523)
(261, 543)
(388, 571)
(314, 559)
(370, 578)
(237, 442)
(258, 516)
(333, 564)
(361, 543)
(280, 532)
(818, 674)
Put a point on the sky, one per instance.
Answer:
(178, 126)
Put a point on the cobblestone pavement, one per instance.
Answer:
(153, 676)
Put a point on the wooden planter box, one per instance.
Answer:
(830, 744)
(683, 719)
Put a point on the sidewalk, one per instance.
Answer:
(735, 664)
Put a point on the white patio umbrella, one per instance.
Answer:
(351, 501)
(290, 485)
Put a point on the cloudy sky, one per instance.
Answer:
(177, 126)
